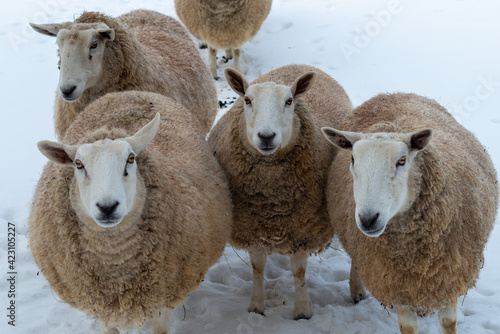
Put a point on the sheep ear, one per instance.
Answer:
(50, 29)
(106, 33)
(57, 152)
(144, 136)
(236, 81)
(342, 139)
(418, 140)
(302, 84)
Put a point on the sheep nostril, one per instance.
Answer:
(266, 136)
(67, 91)
(108, 210)
(369, 221)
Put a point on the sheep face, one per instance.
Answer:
(269, 116)
(381, 167)
(106, 173)
(81, 52)
(269, 110)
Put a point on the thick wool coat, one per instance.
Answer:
(223, 24)
(431, 254)
(155, 256)
(151, 52)
(279, 200)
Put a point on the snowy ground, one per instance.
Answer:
(447, 50)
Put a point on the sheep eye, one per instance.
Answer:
(93, 45)
(401, 161)
(247, 100)
(130, 160)
(289, 101)
(79, 164)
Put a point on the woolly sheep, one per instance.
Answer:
(423, 208)
(142, 50)
(276, 159)
(223, 24)
(123, 232)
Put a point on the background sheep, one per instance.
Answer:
(141, 50)
(276, 159)
(223, 24)
(174, 228)
(423, 208)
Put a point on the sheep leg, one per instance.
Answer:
(160, 322)
(448, 319)
(105, 329)
(257, 300)
(212, 62)
(408, 321)
(356, 286)
(236, 55)
(298, 262)
(229, 54)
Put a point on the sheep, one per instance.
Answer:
(121, 231)
(223, 24)
(423, 209)
(276, 159)
(142, 50)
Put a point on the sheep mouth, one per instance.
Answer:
(107, 222)
(70, 98)
(266, 150)
(374, 232)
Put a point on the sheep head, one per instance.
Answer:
(81, 52)
(269, 109)
(380, 167)
(105, 171)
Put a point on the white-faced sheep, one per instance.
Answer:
(124, 226)
(142, 50)
(416, 213)
(276, 159)
(223, 24)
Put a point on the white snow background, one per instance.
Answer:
(448, 50)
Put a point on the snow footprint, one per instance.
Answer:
(286, 26)
(278, 27)
(468, 312)
(490, 325)
(485, 292)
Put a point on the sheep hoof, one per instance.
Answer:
(225, 59)
(216, 78)
(203, 46)
(301, 316)
(304, 312)
(358, 298)
(256, 310)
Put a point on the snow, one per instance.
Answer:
(447, 50)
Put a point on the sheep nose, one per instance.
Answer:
(369, 221)
(107, 210)
(266, 139)
(67, 91)
(266, 136)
